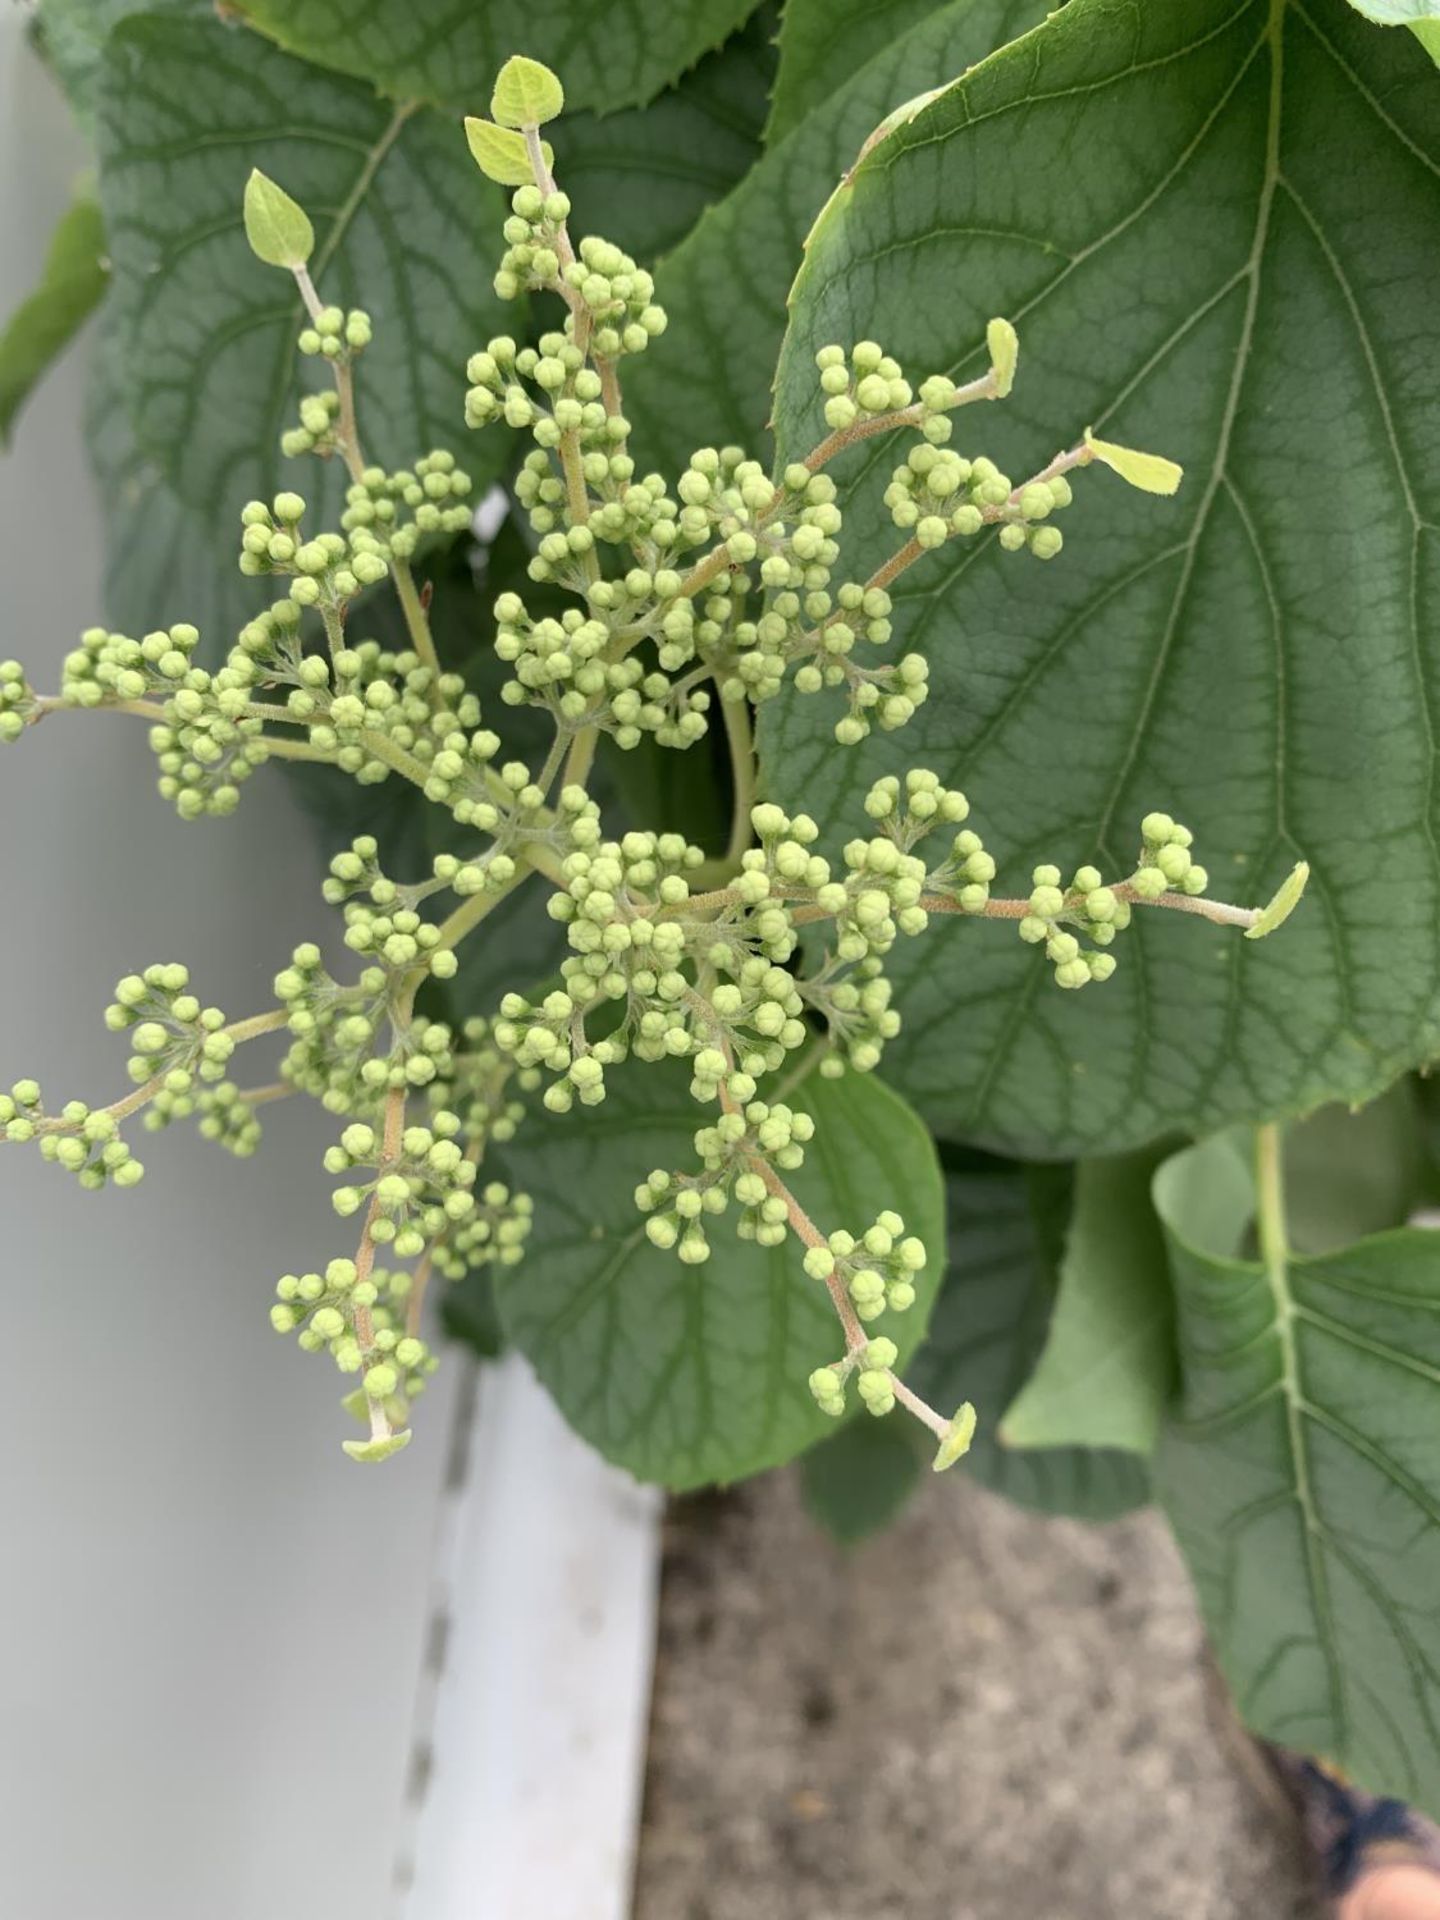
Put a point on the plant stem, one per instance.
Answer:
(365, 1255)
(1270, 1198)
(239, 1031)
(468, 915)
(417, 621)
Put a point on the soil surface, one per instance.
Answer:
(980, 1715)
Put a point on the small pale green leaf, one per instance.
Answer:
(71, 286)
(1283, 903)
(1301, 1472)
(1004, 346)
(1006, 1235)
(1150, 472)
(277, 227)
(501, 154)
(527, 93)
(1107, 1366)
(858, 1479)
(956, 1442)
(381, 1449)
(691, 1374)
(1427, 32)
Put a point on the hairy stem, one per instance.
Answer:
(417, 621)
(239, 1031)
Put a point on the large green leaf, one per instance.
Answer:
(1108, 1363)
(43, 325)
(208, 334)
(162, 564)
(694, 1374)
(643, 177)
(824, 43)
(724, 287)
(449, 51)
(1302, 1476)
(1216, 227)
(1007, 1226)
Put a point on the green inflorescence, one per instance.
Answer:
(693, 596)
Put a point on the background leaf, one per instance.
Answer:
(207, 334)
(643, 177)
(1006, 1236)
(73, 33)
(1302, 1476)
(71, 287)
(1105, 1373)
(824, 43)
(725, 284)
(857, 1480)
(1352, 1174)
(1154, 199)
(687, 1375)
(449, 51)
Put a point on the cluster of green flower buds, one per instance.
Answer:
(327, 571)
(362, 1324)
(84, 1141)
(417, 1195)
(1165, 860)
(878, 1270)
(732, 1152)
(396, 510)
(1086, 905)
(17, 701)
(493, 1233)
(864, 385)
(479, 1089)
(1060, 917)
(935, 494)
(337, 1054)
(175, 1039)
(874, 1382)
(109, 667)
(336, 335)
(223, 1114)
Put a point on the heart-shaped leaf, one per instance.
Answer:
(1215, 226)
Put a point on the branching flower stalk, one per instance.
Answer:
(723, 585)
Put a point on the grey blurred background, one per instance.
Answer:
(205, 1607)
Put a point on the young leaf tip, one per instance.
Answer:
(501, 153)
(277, 227)
(956, 1443)
(1283, 904)
(379, 1448)
(527, 93)
(1150, 472)
(1004, 344)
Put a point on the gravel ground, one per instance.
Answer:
(981, 1715)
